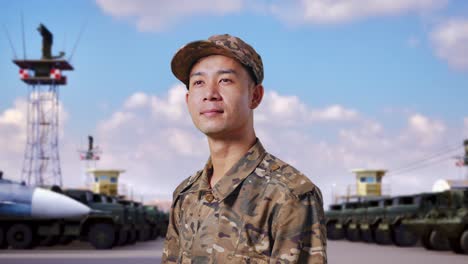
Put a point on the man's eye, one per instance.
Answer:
(197, 82)
(225, 80)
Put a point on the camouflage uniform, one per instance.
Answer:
(262, 211)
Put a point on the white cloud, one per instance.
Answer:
(13, 135)
(137, 100)
(286, 110)
(334, 113)
(450, 41)
(156, 15)
(465, 122)
(342, 11)
(424, 129)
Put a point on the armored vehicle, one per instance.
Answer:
(31, 215)
(445, 225)
(334, 227)
(105, 227)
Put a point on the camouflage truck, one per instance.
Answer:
(445, 226)
(335, 229)
(163, 222)
(152, 218)
(107, 225)
(356, 216)
(375, 211)
(133, 218)
(143, 230)
(346, 217)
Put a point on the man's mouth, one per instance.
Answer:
(211, 112)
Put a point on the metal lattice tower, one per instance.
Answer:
(90, 157)
(41, 164)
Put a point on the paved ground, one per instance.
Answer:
(339, 252)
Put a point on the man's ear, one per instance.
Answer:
(186, 97)
(257, 96)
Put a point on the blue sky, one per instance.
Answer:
(394, 67)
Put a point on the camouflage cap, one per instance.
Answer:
(226, 45)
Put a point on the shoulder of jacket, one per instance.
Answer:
(292, 179)
(185, 184)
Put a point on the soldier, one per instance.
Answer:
(246, 205)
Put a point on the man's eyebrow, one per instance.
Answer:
(227, 71)
(196, 74)
(223, 71)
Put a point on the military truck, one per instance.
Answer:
(334, 227)
(152, 218)
(107, 226)
(445, 225)
(357, 214)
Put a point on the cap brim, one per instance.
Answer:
(187, 56)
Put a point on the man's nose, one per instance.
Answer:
(212, 92)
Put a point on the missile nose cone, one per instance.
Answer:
(49, 204)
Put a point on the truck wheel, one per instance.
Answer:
(123, 238)
(66, 240)
(20, 236)
(157, 232)
(49, 241)
(383, 237)
(142, 235)
(333, 233)
(366, 235)
(455, 245)
(101, 236)
(132, 237)
(464, 242)
(434, 240)
(3, 243)
(352, 234)
(403, 237)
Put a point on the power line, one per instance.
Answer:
(439, 153)
(78, 40)
(24, 41)
(11, 43)
(420, 166)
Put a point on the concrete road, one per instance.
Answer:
(339, 252)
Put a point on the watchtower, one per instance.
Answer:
(41, 164)
(369, 182)
(106, 181)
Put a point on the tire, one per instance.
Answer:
(49, 241)
(382, 237)
(464, 242)
(434, 240)
(132, 237)
(154, 233)
(403, 237)
(66, 240)
(101, 236)
(455, 245)
(143, 235)
(366, 235)
(122, 238)
(3, 242)
(334, 233)
(352, 234)
(20, 236)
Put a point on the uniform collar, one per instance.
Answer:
(234, 176)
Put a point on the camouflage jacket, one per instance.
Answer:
(262, 211)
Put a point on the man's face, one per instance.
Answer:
(221, 97)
